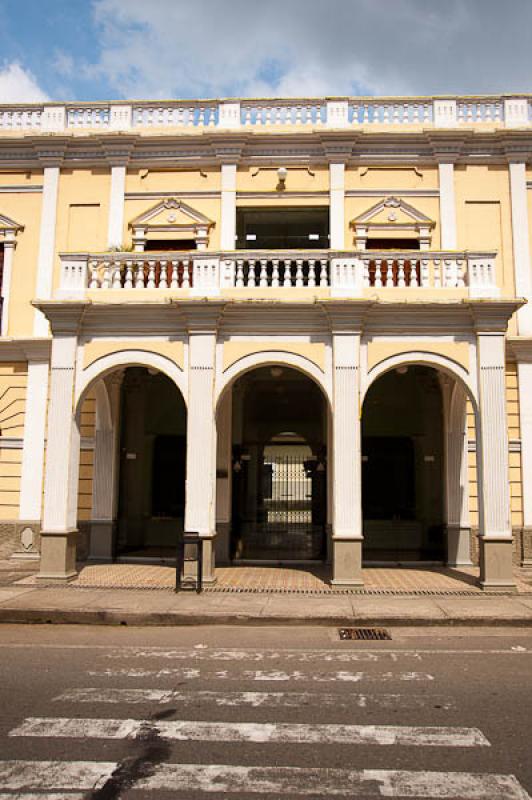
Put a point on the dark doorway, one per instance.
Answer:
(152, 465)
(279, 509)
(169, 245)
(282, 229)
(402, 467)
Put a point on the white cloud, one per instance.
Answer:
(18, 85)
(209, 48)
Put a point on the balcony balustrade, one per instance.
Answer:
(349, 274)
(436, 112)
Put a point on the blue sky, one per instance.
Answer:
(117, 49)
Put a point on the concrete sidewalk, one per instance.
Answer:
(20, 604)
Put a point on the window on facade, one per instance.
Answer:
(169, 245)
(282, 229)
(392, 244)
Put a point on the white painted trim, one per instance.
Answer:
(9, 250)
(447, 207)
(228, 207)
(521, 245)
(11, 443)
(415, 357)
(45, 260)
(337, 206)
(270, 358)
(116, 206)
(394, 192)
(31, 481)
(21, 189)
(129, 358)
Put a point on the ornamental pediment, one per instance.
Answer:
(393, 212)
(171, 214)
(8, 225)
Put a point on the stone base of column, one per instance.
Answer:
(209, 561)
(347, 563)
(102, 540)
(58, 556)
(526, 553)
(496, 568)
(458, 546)
(222, 542)
(27, 538)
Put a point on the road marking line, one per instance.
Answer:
(342, 676)
(262, 655)
(55, 775)
(253, 699)
(41, 796)
(58, 776)
(189, 730)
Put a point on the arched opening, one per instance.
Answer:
(131, 492)
(403, 467)
(151, 498)
(278, 466)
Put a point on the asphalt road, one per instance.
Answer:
(103, 713)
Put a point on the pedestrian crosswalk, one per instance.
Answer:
(181, 730)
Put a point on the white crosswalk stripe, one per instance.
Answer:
(281, 781)
(185, 730)
(251, 699)
(306, 689)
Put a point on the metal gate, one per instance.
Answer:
(280, 511)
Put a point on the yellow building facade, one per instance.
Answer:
(297, 328)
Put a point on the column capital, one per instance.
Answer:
(64, 318)
(200, 316)
(51, 153)
(346, 316)
(493, 316)
(118, 154)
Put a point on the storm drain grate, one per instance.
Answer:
(364, 634)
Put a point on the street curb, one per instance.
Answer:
(90, 617)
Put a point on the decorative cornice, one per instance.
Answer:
(64, 318)
(520, 347)
(492, 316)
(25, 349)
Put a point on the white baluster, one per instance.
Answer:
(239, 283)
(389, 272)
(401, 273)
(378, 273)
(287, 277)
(275, 272)
(323, 272)
(116, 281)
(139, 278)
(94, 275)
(365, 277)
(174, 275)
(151, 275)
(437, 273)
(163, 278)
(251, 272)
(106, 283)
(298, 120)
(128, 278)
(460, 282)
(311, 272)
(413, 273)
(425, 277)
(299, 272)
(263, 272)
(268, 116)
(185, 282)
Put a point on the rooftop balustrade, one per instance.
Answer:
(444, 112)
(349, 274)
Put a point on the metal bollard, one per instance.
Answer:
(188, 541)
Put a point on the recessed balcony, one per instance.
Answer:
(341, 273)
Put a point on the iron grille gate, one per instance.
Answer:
(281, 508)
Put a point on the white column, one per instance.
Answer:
(201, 445)
(493, 475)
(115, 233)
(9, 249)
(228, 212)
(447, 207)
(58, 536)
(45, 258)
(224, 476)
(347, 471)
(337, 206)
(521, 245)
(31, 481)
(457, 495)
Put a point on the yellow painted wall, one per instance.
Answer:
(313, 351)
(87, 430)
(25, 209)
(392, 178)
(514, 432)
(170, 180)
(13, 379)
(299, 179)
(21, 177)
